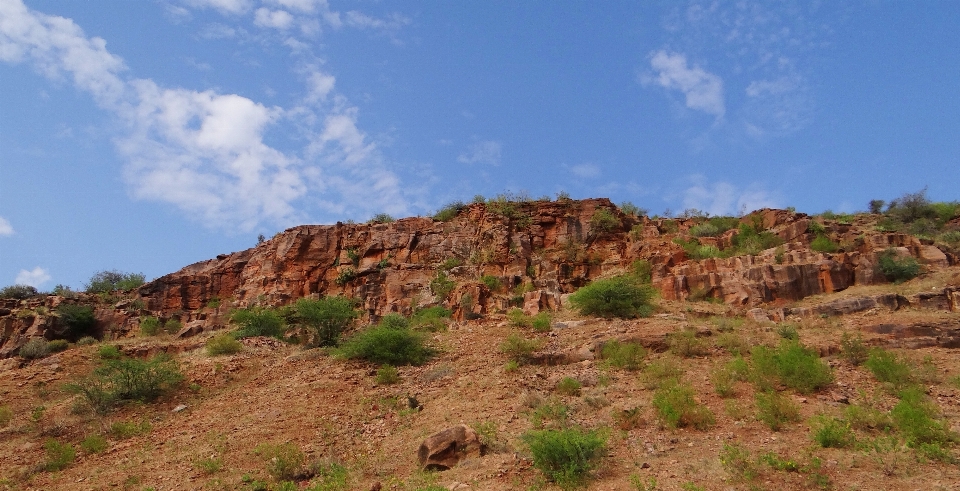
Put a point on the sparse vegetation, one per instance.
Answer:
(110, 281)
(127, 379)
(519, 349)
(624, 355)
(258, 321)
(677, 408)
(897, 268)
(326, 318)
(776, 410)
(223, 344)
(387, 375)
(449, 211)
(59, 455)
(441, 285)
(18, 292)
(388, 344)
(78, 320)
(604, 221)
(822, 243)
(568, 386)
(94, 444)
(284, 461)
(35, 348)
(790, 364)
(149, 325)
(832, 433)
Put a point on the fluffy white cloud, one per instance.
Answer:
(484, 152)
(723, 198)
(205, 152)
(585, 170)
(277, 19)
(703, 90)
(35, 277)
(5, 227)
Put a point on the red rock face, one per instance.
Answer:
(538, 251)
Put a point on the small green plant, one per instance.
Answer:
(491, 282)
(628, 419)
(866, 417)
(890, 369)
(541, 322)
(326, 318)
(676, 407)
(604, 221)
(172, 326)
(566, 456)
(433, 319)
(86, 341)
(822, 243)
(122, 430)
(916, 417)
(732, 343)
(832, 432)
(18, 292)
(775, 410)
(620, 296)
(223, 344)
(793, 365)
(345, 276)
(441, 285)
(109, 352)
(258, 321)
(382, 218)
(788, 331)
(450, 211)
(34, 348)
(387, 375)
(661, 373)
(127, 379)
(628, 208)
(685, 343)
(568, 386)
(518, 348)
(896, 268)
(59, 455)
(549, 413)
(214, 303)
(853, 349)
(737, 461)
(387, 344)
(208, 465)
(511, 366)
(93, 444)
(149, 325)
(58, 345)
(623, 355)
(284, 461)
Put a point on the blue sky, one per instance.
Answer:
(147, 135)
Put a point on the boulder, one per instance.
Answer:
(444, 450)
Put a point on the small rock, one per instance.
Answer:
(179, 408)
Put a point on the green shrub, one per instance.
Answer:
(737, 461)
(568, 386)
(432, 319)
(387, 375)
(284, 461)
(775, 410)
(208, 465)
(18, 292)
(109, 352)
(86, 341)
(625, 355)
(541, 322)
(172, 326)
(59, 455)
(122, 430)
(823, 244)
(127, 379)
(492, 282)
(223, 344)
(93, 444)
(867, 418)
(382, 218)
(751, 240)
(326, 318)
(629, 208)
(109, 281)
(604, 221)
(149, 325)
(329, 477)
(58, 345)
(832, 433)
(385, 345)
(890, 369)
(916, 418)
(79, 320)
(788, 331)
(724, 378)
(685, 343)
(621, 296)
(345, 276)
(705, 229)
(518, 348)
(258, 321)
(450, 211)
(566, 456)
(661, 373)
(441, 285)
(35, 348)
(677, 408)
(853, 350)
(895, 268)
(732, 343)
(791, 364)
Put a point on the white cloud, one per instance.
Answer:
(723, 198)
(703, 90)
(35, 277)
(205, 152)
(277, 19)
(223, 6)
(484, 152)
(217, 31)
(319, 85)
(306, 6)
(585, 170)
(5, 228)
(363, 21)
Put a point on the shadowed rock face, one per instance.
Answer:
(549, 249)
